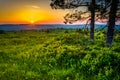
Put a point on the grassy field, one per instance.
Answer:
(58, 55)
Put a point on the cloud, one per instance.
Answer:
(36, 7)
(33, 6)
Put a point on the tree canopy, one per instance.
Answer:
(102, 9)
(96, 9)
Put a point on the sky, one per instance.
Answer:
(29, 11)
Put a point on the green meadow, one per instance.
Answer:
(58, 54)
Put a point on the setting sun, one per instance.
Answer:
(32, 21)
(30, 13)
(34, 16)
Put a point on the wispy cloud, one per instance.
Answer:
(36, 7)
(32, 6)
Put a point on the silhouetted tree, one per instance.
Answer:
(92, 10)
(110, 9)
(98, 9)
(70, 4)
(111, 22)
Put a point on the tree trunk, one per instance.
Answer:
(92, 20)
(111, 22)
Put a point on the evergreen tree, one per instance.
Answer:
(111, 22)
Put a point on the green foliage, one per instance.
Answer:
(58, 55)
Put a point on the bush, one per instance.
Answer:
(2, 32)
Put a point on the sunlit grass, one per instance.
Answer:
(58, 55)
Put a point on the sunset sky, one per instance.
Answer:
(29, 11)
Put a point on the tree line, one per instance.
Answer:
(95, 10)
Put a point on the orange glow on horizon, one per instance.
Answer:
(30, 13)
(32, 22)
(35, 17)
